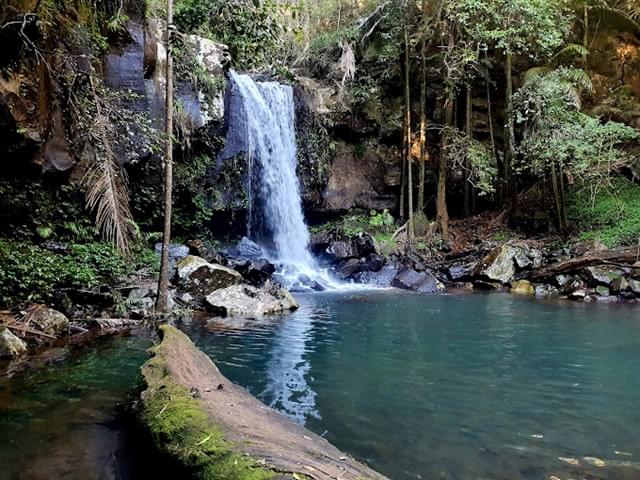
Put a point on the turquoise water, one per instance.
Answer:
(59, 420)
(451, 387)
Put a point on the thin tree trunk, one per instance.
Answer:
(494, 150)
(467, 162)
(162, 299)
(563, 200)
(423, 119)
(511, 133)
(441, 202)
(407, 94)
(556, 196)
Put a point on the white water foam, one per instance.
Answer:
(264, 122)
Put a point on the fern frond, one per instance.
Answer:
(572, 50)
(534, 74)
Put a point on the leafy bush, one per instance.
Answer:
(30, 273)
(612, 216)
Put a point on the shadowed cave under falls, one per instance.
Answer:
(261, 125)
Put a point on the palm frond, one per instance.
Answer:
(107, 196)
(616, 19)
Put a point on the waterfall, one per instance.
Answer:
(261, 125)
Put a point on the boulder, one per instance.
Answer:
(579, 294)
(249, 301)
(48, 320)
(364, 244)
(247, 249)
(347, 268)
(373, 263)
(619, 284)
(199, 277)
(141, 301)
(523, 287)
(634, 286)
(10, 344)
(422, 282)
(603, 291)
(341, 250)
(546, 291)
(499, 265)
(603, 274)
(382, 278)
(460, 271)
(255, 272)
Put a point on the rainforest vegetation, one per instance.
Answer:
(527, 112)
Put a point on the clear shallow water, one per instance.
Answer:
(451, 387)
(58, 421)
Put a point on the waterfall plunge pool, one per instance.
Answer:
(475, 386)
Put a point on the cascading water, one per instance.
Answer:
(262, 126)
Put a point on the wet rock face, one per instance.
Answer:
(10, 344)
(249, 301)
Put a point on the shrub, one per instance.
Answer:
(30, 273)
(612, 216)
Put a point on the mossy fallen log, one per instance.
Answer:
(217, 430)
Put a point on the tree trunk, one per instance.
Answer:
(468, 190)
(407, 94)
(556, 196)
(510, 133)
(492, 135)
(162, 299)
(423, 121)
(441, 202)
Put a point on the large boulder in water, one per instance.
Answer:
(10, 344)
(199, 277)
(250, 301)
(421, 282)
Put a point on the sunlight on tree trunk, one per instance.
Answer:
(162, 299)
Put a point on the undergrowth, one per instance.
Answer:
(31, 273)
(612, 216)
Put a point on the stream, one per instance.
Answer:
(469, 386)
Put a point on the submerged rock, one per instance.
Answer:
(249, 301)
(10, 344)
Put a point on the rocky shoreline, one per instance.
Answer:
(239, 282)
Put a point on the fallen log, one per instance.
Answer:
(619, 258)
